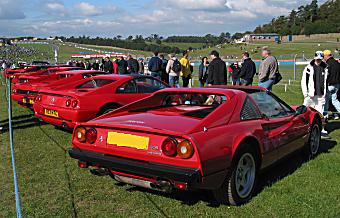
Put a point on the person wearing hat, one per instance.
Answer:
(333, 83)
(314, 84)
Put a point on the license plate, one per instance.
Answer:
(128, 140)
(27, 101)
(51, 113)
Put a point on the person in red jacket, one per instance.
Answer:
(115, 66)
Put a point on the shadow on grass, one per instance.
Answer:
(20, 122)
(332, 126)
(266, 179)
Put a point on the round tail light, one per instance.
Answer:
(74, 103)
(91, 136)
(185, 149)
(169, 147)
(80, 134)
(68, 103)
(38, 98)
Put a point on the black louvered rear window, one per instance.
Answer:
(249, 111)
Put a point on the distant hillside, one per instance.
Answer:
(307, 20)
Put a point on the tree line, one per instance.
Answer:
(306, 20)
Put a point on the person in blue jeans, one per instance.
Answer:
(269, 68)
(173, 69)
(333, 83)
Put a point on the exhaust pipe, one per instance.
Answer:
(161, 185)
(99, 171)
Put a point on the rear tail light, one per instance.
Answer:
(91, 135)
(74, 103)
(80, 134)
(68, 103)
(169, 147)
(185, 149)
(38, 98)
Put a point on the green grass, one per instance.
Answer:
(51, 184)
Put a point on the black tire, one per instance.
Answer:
(312, 148)
(230, 192)
(108, 108)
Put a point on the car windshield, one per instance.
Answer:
(197, 105)
(95, 83)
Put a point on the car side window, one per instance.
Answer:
(268, 105)
(127, 88)
(148, 85)
(249, 111)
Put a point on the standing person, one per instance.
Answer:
(115, 66)
(155, 66)
(141, 65)
(88, 65)
(164, 75)
(95, 65)
(314, 84)
(173, 68)
(133, 65)
(269, 69)
(203, 71)
(333, 83)
(236, 74)
(248, 70)
(122, 65)
(108, 68)
(230, 73)
(217, 72)
(186, 72)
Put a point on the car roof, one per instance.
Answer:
(80, 71)
(246, 89)
(213, 91)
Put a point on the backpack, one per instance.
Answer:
(176, 66)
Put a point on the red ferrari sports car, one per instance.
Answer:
(25, 93)
(26, 77)
(84, 100)
(215, 139)
(23, 69)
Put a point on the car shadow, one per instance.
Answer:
(332, 126)
(19, 122)
(267, 178)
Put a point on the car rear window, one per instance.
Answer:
(95, 83)
(198, 105)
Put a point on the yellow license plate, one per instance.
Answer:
(51, 113)
(24, 100)
(128, 140)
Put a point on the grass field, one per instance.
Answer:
(51, 185)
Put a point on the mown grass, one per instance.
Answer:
(51, 184)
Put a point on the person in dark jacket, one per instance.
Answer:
(217, 71)
(133, 65)
(155, 66)
(108, 68)
(164, 75)
(248, 70)
(203, 71)
(236, 74)
(141, 65)
(333, 83)
(95, 65)
(122, 66)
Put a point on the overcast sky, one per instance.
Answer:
(131, 17)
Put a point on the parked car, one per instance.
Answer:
(21, 70)
(87, 99)
(26, 77)
(25, 93)
(217, 139)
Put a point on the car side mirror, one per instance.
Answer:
(300, 110)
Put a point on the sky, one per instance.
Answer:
(108, 18)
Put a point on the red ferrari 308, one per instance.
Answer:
(25, 93)
(26, 77)
(84, 100)
(217, 139)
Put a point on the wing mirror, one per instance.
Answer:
(300, 110)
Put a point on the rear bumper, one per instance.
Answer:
(190, 176)
(66, 116)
